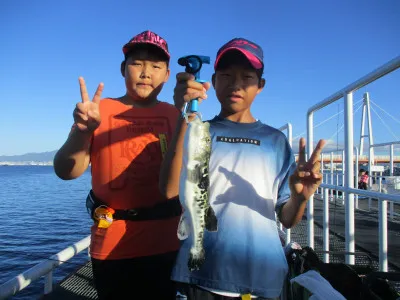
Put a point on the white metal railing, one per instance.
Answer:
(288, 128)
(44, 268)
(377, 158)
(391, 166)
(382, 198)
(331, 173)
(348, 184)
(385, 184)
(328, 178)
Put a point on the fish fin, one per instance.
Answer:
(211, 220)
(196, 259)
(183, 228)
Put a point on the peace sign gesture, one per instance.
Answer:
(306, 178)
(86, 113)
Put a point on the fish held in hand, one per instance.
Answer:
(194, 191)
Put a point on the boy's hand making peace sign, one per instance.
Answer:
(307, 177)
(86, 113)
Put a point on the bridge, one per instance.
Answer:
(379, 159)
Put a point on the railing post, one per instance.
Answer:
(383, 243)
(290, 138)
(326, 225)
(370, 175)
(287, 236)
(48, 283)
(322, 173)
(349, 178)
(391, 159)
(343, 173)
(391, 174)
(391, 210)
(310, 204)
(356, 177)
(332, 199)
(337, 184)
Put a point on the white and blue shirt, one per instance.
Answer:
(249, 169)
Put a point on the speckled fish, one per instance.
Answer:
(194, 191)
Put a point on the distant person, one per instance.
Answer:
(133, 238)
(363, 184)
(360, 173)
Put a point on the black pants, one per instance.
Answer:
(194, 292)
(362, 185)
(138, 278)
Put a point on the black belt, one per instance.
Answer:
(163, 210)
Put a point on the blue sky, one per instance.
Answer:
(312, 49)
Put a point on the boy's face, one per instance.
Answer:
(145, 71)
(236, 84)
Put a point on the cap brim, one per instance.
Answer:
(254, 61)
(130, 46)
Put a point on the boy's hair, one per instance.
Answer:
(252, 53)
(148, 40)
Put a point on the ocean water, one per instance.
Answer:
(41, 215)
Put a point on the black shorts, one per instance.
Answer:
(362, 185)
(138, 278)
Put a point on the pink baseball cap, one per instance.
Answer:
(252, 51)
(147, 37)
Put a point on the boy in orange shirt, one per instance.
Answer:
(133, 238)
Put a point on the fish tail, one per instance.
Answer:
(211, 220)
(196, 259)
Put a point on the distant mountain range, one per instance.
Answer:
(41, 158)
(46, 159)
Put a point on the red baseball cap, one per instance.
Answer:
(250, 50)
(147, 37)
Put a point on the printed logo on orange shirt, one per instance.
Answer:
(137, 150)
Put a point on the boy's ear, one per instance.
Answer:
(213, 80)
(167, 75)
(123, 68)
(261, 83)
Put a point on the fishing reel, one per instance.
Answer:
(193, 64)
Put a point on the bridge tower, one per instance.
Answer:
(366, 114)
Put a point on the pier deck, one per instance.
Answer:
(79, 285)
